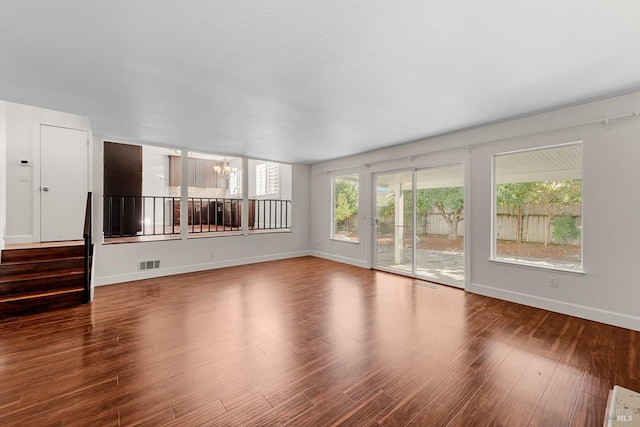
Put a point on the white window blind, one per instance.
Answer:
(267, 178)
(235, 182)
(273, 178)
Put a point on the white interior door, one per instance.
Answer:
(64, 182)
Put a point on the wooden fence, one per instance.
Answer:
(532, 219)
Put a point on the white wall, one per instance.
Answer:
(23, 143)
(608, 291)
(285, 181)
(119, 262)
(250, 176)
(3, 171)
(155, 171)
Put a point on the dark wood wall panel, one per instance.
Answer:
(122, 177)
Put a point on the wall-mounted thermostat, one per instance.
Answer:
(25, 162)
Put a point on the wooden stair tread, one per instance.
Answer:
(41, 254)
(62, 266)
(37, 280)
(40, 294)
(41, 275)
(41, 261)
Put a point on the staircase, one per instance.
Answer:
(41, 279)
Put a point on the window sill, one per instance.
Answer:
(532, 266)
(140, 239)
(335, 239)
(269, 231)
(214, 234)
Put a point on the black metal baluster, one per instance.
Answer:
(217, 217)
(110, 216)
(208, 215)
(144, 216)
(134, 229)
(164, 215)
(121, 215)
(193, 227)
(224, 211)
(271, 214)
(154, 215)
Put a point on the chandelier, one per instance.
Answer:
(223, 169)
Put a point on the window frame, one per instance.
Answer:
(269, 184)
(235, 182)
(536, 265)
(333, 235)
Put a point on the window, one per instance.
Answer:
(345, 208)
(538, 207)
(267, 179)
(270, 191)
(235, 182)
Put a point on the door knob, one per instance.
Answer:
(45, 188)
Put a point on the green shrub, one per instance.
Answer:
(564, 228)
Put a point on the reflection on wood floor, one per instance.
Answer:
(307, 342)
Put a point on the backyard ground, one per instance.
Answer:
(506, 248)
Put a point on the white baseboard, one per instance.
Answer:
(18, 239)
(584, 312)
(161, 272)
(337, 258)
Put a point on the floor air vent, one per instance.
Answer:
(148, 265)
(425, 284)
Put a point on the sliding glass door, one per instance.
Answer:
(419, 225)
(394, 221)
(440, 224)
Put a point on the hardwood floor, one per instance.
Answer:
(307, 342)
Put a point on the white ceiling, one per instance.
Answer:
(310, 80)
(555, 163)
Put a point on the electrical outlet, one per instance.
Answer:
(213, 255)
(553, 281)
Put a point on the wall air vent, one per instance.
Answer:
(148, 265)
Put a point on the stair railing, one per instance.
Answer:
(88, 248)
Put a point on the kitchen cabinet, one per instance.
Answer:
(210, 176)
(192, 179)
(200, 173)
(215, 212)
(175, 170)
